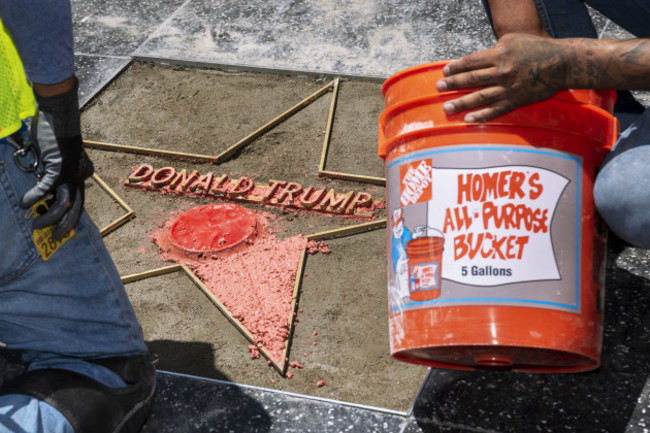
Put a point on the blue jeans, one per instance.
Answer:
(622, 188)
(570, 18)
(61, 311)
(74, 304)
(72, 307)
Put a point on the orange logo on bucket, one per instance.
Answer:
(415, 182)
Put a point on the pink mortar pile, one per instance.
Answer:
(249, 270)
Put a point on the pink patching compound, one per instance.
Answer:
(254, 280)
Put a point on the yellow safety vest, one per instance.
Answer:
(16, 95)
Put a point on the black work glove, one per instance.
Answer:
(56, 132)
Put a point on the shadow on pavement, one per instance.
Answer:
(192, 404)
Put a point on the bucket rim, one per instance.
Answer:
(392, 143)
(435, 98)
(412, 70)
(384, 146)
(588, 363)
(566, 94)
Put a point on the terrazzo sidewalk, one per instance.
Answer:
(368, 39)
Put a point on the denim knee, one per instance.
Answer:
(622, 195)
(21, 413)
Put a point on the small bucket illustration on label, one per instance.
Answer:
(424, 253)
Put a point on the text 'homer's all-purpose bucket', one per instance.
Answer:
(495, 252)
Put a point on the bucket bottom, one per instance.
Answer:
(488, 357)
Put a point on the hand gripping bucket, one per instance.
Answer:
(495, 251)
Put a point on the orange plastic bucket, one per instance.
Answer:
(516, 278)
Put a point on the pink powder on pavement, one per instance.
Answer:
(254, 283)
(314, 247)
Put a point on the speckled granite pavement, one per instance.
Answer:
(367, 38)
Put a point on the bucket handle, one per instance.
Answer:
(381, 138)
(614, 128)
(423, 230)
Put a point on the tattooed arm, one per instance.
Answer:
(521, 69)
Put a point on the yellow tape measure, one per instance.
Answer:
(43, 240)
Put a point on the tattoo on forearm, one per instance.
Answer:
(621, 64)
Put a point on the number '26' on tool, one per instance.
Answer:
(43, 239)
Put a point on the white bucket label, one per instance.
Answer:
(510, 218)
(497, 222)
